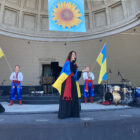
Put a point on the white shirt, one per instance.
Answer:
(85, 75)
(13, 76)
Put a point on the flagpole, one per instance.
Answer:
(8, 63)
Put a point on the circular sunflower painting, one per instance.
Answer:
(67, 15)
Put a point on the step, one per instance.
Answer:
(41, 99)
(34, 97)
(40, 102)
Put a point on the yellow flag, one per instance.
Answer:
(102, 61)
(1, 53)
(58, 83)
(100, 58)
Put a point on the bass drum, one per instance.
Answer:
(137, 93)
(113, 97)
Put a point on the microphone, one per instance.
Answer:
(118, 73)
(110, 71)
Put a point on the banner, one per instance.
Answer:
(66, 15)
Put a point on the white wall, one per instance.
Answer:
(123, 53)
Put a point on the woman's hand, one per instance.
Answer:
(86, 69)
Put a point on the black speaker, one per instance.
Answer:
(135, 102)
(1, 92)
(54, 65)
(2, 109)
(55, 69)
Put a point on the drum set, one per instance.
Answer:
(118, 94)
(123, 93)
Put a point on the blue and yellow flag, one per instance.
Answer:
(1, 53)
(65, 72)
(66, 15)
(102, 62)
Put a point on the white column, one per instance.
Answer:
(124, 8)
(90, 15)
(21, 13)
(108, 14)
(38, 16)
(2, 11)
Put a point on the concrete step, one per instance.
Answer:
(50, 99)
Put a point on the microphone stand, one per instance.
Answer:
(122, 79)
(124, 86)
(105, 85)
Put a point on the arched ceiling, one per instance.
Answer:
(28, 19)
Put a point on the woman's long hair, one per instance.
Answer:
(70, 54)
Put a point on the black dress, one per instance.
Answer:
(70, 108)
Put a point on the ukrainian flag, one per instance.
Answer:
(62, 77)
(65, 72)
(1, 53)
(102, 62)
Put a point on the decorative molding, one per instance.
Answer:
(11, 16)
(31, 4)
(117, 13)
(86, 4)
(138, 14)
(28, 19)
(87, 21)
(13, 2)
(100, 16)
(44, 23)
(108, 32)
(44, 5)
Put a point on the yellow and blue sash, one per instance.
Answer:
(65, 72)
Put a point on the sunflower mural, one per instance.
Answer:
(66, 15)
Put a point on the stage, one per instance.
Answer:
(96, 124)
(37, 119)
(53, 108)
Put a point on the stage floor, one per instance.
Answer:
(53, 108)
(118, 124)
